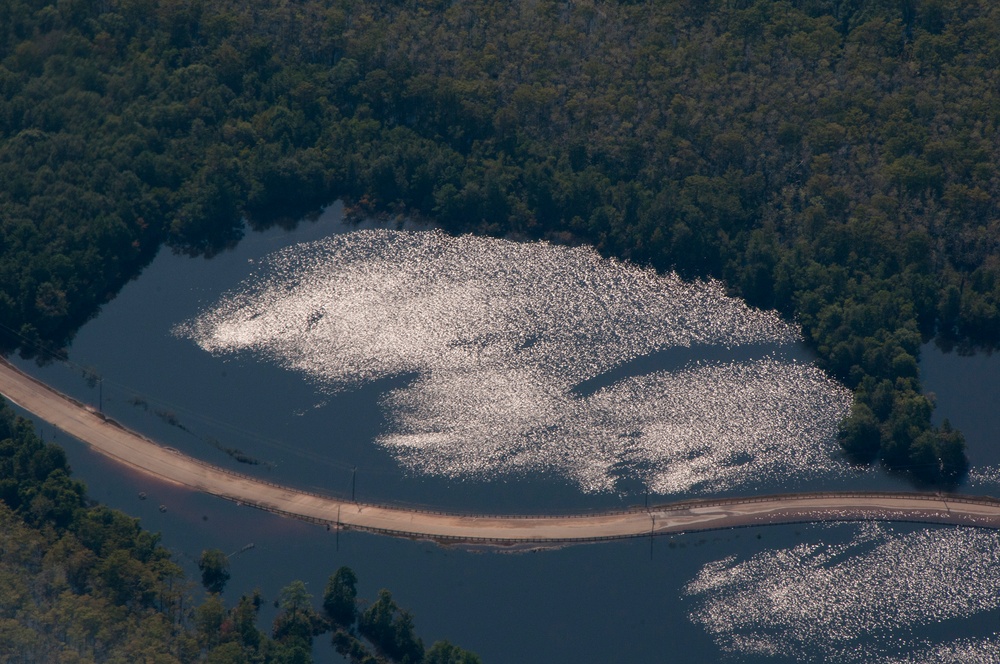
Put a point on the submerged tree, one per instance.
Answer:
(443, 652)
(391, 630)
(340, 597)
(214, 566)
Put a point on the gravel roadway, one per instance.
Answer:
(510, 531)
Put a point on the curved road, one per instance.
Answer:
(129, 448)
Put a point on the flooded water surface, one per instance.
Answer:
(397, 364)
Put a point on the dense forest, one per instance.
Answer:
(833, 159)
(83, 583)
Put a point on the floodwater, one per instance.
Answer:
(742, 595)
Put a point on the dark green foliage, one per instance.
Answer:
(391, 630)
(34, 475)
(950, 449)
(208, 620)
(340, 597)
(383, 624)
(214, 566)
(352, 648)
(830, 159)
(298, 622)
(860, 436)
(89, 562)
(937, 456)
(443, 652)
(87, 581)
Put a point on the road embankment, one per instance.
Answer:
(512, 531)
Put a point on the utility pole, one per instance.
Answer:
(652, 527)
(100, 394)
(354, 476)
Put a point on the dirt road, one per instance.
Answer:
(144, 455)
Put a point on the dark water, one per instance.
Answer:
(967, 392)
(597, 603)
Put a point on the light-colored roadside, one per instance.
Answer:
(133, 450)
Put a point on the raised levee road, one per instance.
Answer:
(132, 449)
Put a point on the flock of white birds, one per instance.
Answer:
(497, 334)
(497, 337)
(960, 651)
(824, 602)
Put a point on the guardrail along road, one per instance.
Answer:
(134, 450)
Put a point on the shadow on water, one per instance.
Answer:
(616, 601)
(966, 392)
(677, 358)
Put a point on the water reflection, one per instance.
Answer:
(881, 593)
(531, 357)
(621, 601)
(966, 389)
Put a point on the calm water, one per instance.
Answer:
(598, 603)
(967, 392)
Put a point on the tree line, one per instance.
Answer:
(80, 582)
(832, 159)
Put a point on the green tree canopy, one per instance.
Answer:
(340, 597)
(214, 566)
(391, 630)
